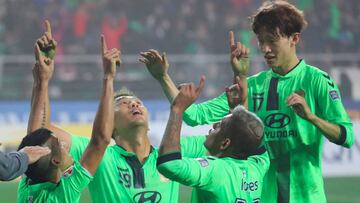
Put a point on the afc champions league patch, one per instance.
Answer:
(30, 199)
(203, 162)
(334, 95)
(68, 172)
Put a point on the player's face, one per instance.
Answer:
(60, 152)
(130, 112)
(277, 50)
(215, 137)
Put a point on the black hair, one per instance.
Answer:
(39, 171)
(278, 18)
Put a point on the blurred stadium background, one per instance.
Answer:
(195, 36)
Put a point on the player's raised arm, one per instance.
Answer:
(187, 95)
(104, 120)
(158, 66)
(42, 73)
(43, 69)
(239, 57)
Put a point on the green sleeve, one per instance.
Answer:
(187, 171)
(78, 146)
(332, 109)
(193, 146)
(73, 185)
(207, 112)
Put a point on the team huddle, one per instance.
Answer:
(265, 143)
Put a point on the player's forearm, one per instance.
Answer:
(171, 138)
(102, 128)
(104, 119)
(40, 109)
(331, 131)
(169, 87)
(12, 165)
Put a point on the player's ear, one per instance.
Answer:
(56, 161)
(225, 144)
(295, 38)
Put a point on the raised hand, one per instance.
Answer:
(47, 43)
(239, 56)
(34, 153)
(156, 64)
(44, 66)
(298, 103)
(237, 93)
(188, 93)
(110, 58)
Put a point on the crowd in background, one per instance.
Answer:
(180, 27)
(177, 27)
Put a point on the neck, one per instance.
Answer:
(136, 141)
(287, 66)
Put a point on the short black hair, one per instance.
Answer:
(123, 92)
(245, 130)
(39, 171)
(278, 17)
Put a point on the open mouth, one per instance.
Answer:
(135, 112)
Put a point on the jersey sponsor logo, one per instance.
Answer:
(334, 95)
(203, 162)
(258, 99)
(147, 197)
(124, 176)
(277, 120)
(281, 134)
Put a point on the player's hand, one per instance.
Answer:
(47, 43)
(239, 56)
(110, 58)
(35, 152)
(298, 103)
(156, 64)
(188, 93)
(237, 93)
(44, 66)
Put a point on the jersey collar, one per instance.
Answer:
(123, 152)
(295, 71)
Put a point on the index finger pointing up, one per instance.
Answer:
(231, 39)
(48, 27)
(103, 44)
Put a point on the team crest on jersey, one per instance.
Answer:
(334, 95)
(203, 162)
(68, 172)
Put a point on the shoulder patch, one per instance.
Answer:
(68, 172)
(334, 95)
(203, 162)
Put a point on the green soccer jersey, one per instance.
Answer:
(120, 176)
(294, 144)
(218, 179)
(68, 190)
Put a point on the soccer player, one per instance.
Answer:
(127, 172)
(14, 164)
(299, 105)
(230, 174)
(57, 177)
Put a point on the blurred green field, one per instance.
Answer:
(338, 190)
